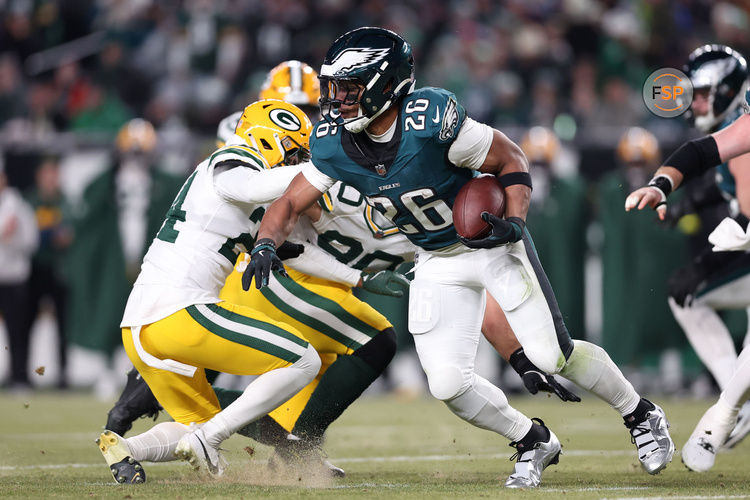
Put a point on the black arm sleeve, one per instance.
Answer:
(695, 157)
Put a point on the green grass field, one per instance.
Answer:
(389, 448)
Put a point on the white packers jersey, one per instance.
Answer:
(357, 235)
(214, 217)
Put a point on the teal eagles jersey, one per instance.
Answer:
(724, 178)
(409, 179)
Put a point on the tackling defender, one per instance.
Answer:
(174, 325)
(405, 163)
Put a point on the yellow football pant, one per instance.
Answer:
(326, 313)
(224, 337)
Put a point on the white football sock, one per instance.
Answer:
(738, 387)
(158, 443)
(590, 367)
(710, 339)
(486, 406)
(263, 395)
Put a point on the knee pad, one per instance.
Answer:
(309, 362)
(447, 382)
(379, 351)
(549, 359)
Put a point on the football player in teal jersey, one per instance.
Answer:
(689, 161)
(409, 152)
(716, 281)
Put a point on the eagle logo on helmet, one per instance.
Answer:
(354, 58)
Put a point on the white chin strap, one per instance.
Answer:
(360, 122)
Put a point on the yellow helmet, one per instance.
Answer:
(540, 145)
(638, 145)
(278, 130)
(137, 135)
(294, 82)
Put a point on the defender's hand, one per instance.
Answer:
(263, 261)
(647, 196)
(502, 231)
(536, 381)
(382, 282)
(289, 250)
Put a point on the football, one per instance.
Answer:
(480, 194)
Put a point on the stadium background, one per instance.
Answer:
(73, 72)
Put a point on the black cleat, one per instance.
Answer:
(124, 468)
(136, 401)
(295, 452)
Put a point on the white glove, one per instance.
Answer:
(729, 236)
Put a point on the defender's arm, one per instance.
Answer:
(690, 160)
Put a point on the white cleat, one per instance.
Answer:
(652, 440)
(699, 453)
(194, 449)
(530, 463)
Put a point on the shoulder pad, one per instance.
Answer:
(244, 155)
(444, 115)
(325, 140)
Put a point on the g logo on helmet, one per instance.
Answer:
(285, 119)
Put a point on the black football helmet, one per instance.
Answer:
(723, 71)
(374, 66)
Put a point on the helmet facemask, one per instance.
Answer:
(286, 150)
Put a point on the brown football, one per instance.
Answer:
(480, 194)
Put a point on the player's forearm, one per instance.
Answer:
(278, 221)
(316, 262)
(517, 198)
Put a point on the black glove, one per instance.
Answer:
(502, 231)
(688, 281)
(263, 261)
(536, 380)
(289, 250)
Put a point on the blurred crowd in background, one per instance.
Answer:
(106, 105)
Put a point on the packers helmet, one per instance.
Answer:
(540, 145)
(278, 130)
(294, 82)
(136, 136)
(638, 146)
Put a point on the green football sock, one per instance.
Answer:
(343, 382)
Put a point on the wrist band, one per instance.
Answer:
(664, 184)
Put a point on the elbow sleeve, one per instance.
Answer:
(695, 157)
